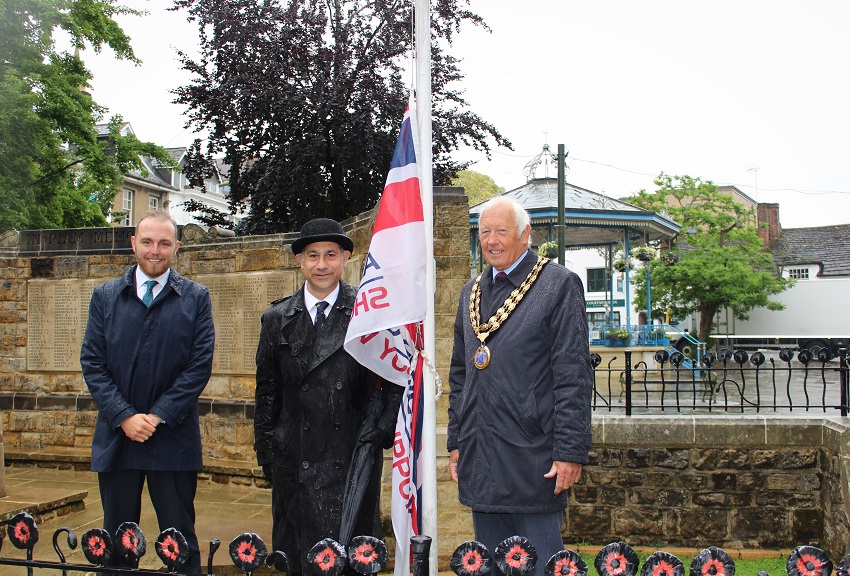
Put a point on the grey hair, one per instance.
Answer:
(521, 217)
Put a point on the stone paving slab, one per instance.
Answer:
(223, 512)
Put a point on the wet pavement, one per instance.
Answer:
(222, 511)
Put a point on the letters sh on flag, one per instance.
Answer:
(386, 324)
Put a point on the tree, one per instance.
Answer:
(304, 99)
(477, 187)
(54, 170)
(721, 261)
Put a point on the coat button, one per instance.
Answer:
(337, 426)
(339, 385)
(337, 464)
(305, 426)
(305, 464)
(304, 387)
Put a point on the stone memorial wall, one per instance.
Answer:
(720, 480)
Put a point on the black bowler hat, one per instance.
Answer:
(322, 230)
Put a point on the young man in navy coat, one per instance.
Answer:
(146, 358)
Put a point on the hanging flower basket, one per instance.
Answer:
(670, 258)
(619, 265)
(644, 253)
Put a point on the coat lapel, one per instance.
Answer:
(332, 336)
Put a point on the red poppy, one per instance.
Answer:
(617, 559)
(471, 559)
(328, 556)
(367, 554)
(662, 564)
(712, 562)
(23, 532)
(130, 541)
(97, 546)
(566, 563)
(248, 552)
(808, 561)
(515, 556)
(171, 547)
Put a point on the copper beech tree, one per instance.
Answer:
(303, 100)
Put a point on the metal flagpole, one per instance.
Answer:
(428, 457)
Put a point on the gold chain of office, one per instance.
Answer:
(482, 331)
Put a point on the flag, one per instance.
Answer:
(385, 330)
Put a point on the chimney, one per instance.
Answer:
(768, 222)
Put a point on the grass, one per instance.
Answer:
(773, 564)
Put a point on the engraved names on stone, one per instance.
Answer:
(57, 312)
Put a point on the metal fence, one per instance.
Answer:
(366, 555)
(725, 381)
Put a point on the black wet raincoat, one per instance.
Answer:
(311, 399)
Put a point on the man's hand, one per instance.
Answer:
(568, 473)
(140, 427)
(453, 456)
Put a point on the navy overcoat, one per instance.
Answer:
(148, 360)
(531, 405)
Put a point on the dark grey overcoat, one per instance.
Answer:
(531, 405)
(310, 402)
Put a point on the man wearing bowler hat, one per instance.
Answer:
(311, 400)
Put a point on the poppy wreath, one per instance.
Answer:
(471, 559)
(328, 557)
(172, 548)
(130, 542)
(843, 568)
(97, 546)
(515, 556)
(23, 533)
(712, 562)
(367, 554)
(566, 563)
(808, 561)
(617, 559)
(248, 552)
(662, 564)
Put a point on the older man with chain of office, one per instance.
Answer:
(521, 382)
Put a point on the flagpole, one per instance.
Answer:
(422, 24)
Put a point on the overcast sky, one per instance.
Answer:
(746, 92)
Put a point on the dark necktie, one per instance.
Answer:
(320, 314)
(501, 276)
(148, 297)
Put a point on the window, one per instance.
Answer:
(599, 319)
(598, 280)
(153, 202)
(127, 206)
(798, 273)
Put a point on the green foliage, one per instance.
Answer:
(477, 187)
(618, 335)
(54, 171)
(721, 263)
(548, 250)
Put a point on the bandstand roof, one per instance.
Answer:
(591, 219)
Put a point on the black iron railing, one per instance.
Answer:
(723, 381)
(515, 556)
(365, 554)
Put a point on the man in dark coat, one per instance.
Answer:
(521, 382)
(311, 400)
(146, 358)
